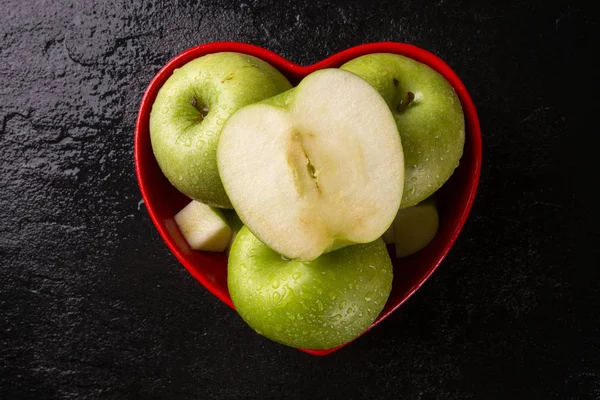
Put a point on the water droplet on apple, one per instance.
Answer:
(275, 284)
(343, 304)
(319, 305)
(276, 298)
(336, 317)
(296, 275)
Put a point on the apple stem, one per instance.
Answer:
(405, 102)
(203, 110)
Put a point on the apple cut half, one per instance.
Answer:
(318, 170)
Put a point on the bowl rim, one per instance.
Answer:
(295, 73)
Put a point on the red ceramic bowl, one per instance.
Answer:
(455, 198)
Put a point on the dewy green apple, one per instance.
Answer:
(318, 304)
(429, 116)
(316, 169)
(190, 111)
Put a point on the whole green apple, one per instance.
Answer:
(318, 304)
(429, 116)
(190, 110)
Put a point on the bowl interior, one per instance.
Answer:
(455, 198)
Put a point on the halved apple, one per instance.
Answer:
(318, 169)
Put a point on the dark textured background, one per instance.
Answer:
(94, 306)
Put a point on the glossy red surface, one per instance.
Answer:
(455, 198)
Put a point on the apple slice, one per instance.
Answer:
(203, 227)
(415, 227)
(321, 170)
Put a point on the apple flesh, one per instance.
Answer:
(415, 227)
(190, 110)
(203, 227)
(429, 116)
(316, 169)
(318, 304)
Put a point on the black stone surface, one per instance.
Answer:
(94, 306)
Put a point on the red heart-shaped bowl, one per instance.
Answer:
(455, 198)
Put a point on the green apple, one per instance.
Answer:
(318, 304)
(190, 110)
(316, 169)
(203, 227)
(415, 227)
(429, 116)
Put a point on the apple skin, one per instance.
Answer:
(184, 141)
(319, 304)
(432, 127)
